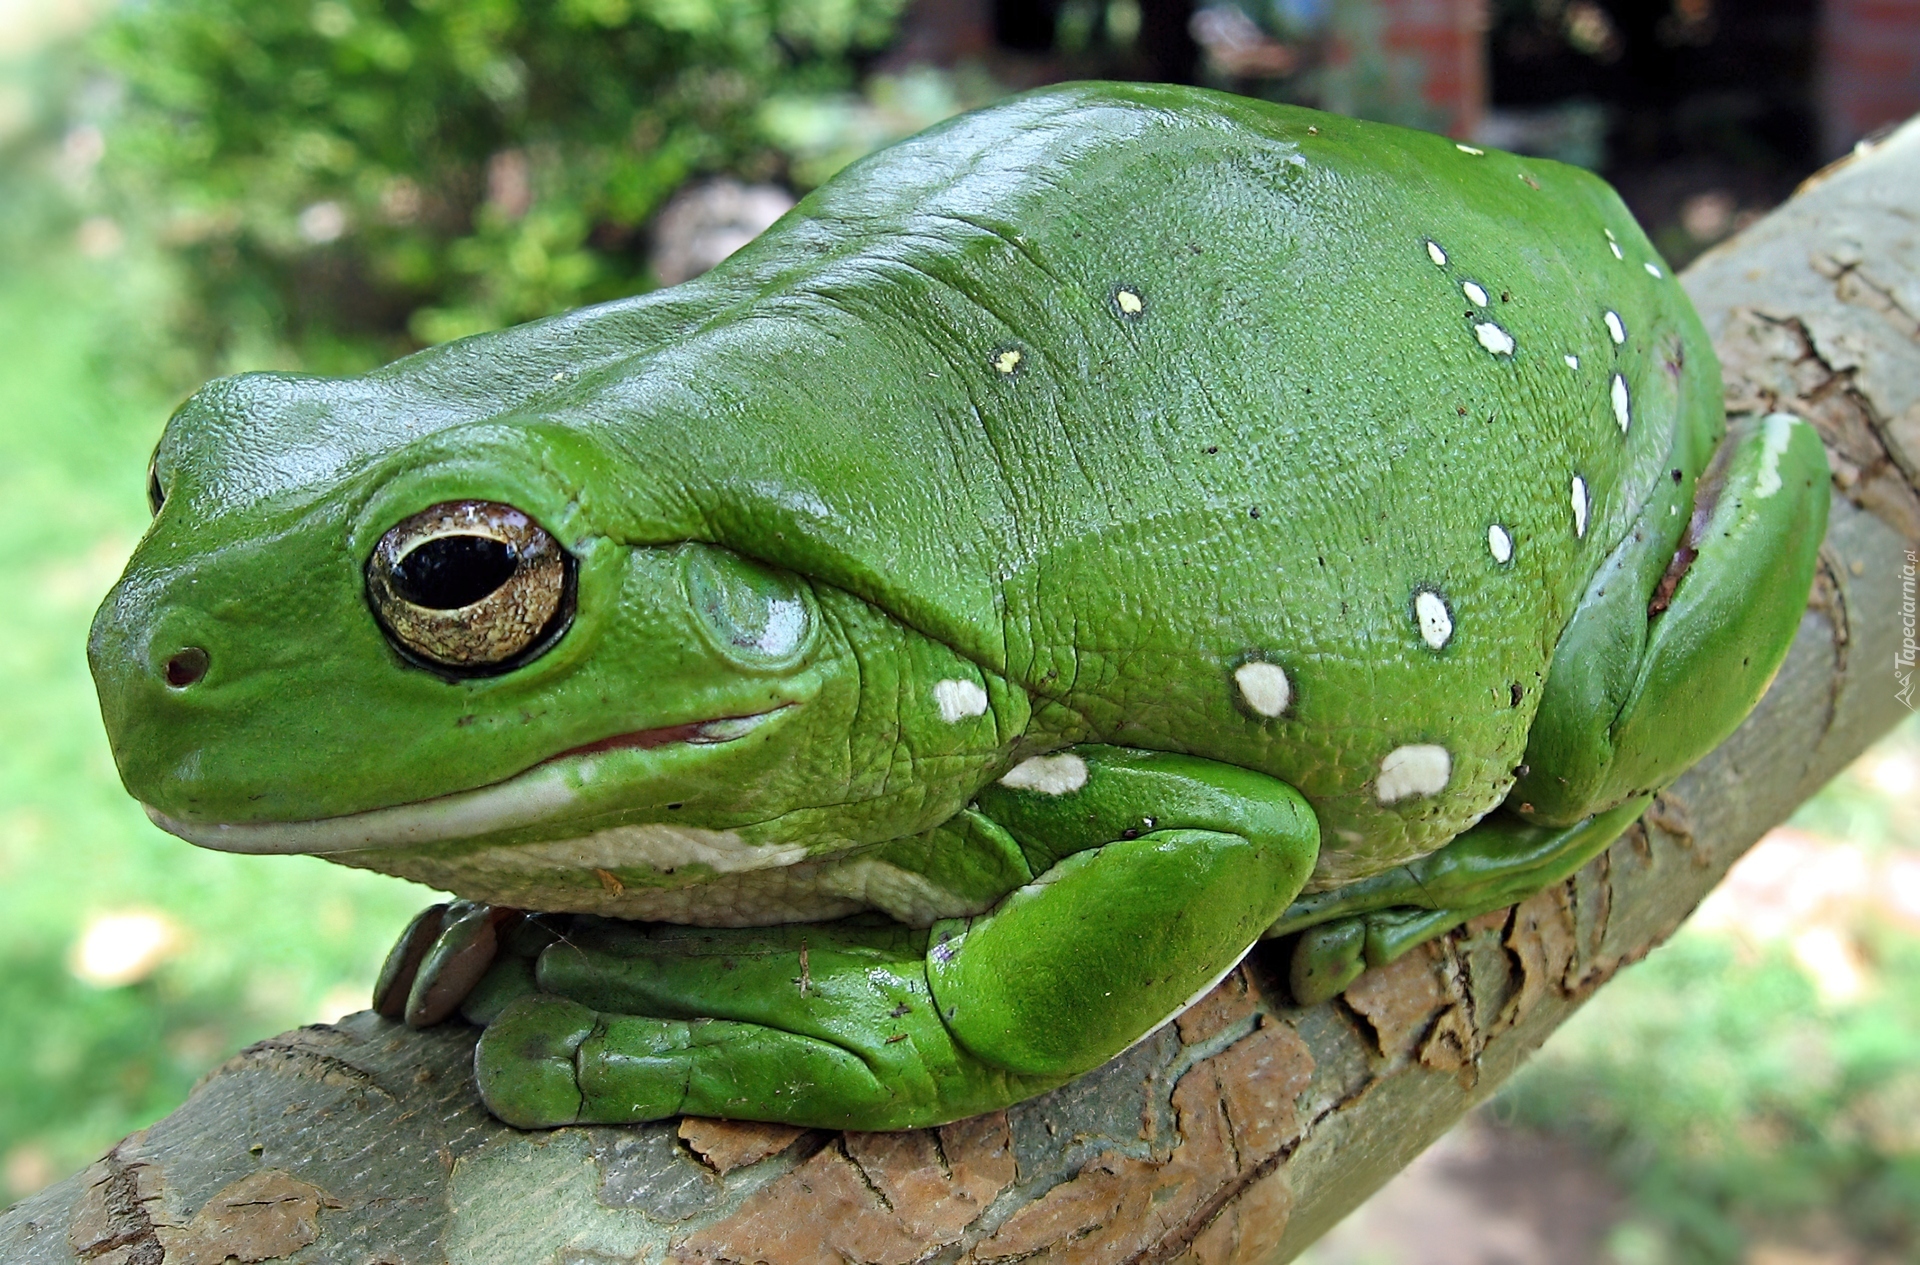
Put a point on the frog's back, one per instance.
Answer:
(1228, 428)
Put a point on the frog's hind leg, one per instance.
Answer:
(1660, 664)
(1499, 862)
(1666, 653)
(1151, 874)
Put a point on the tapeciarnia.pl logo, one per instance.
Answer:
(1903, 657)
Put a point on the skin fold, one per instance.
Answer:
(899, 669)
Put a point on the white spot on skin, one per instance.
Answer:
(1468, 149)
(1264, 686)
(1615, 248)
(1436, 622)
(1615, 329)
(1474, 293)
(1434, 253)
(1047, 774)
(1007, 361)
(1620, 403)
(1420, 769)
(1579, 506)
(1128, 302)
(1773, 446)
(1608, 232)
(1499, 544)
(957, 700)
(1573, 362)
(1653, 270)
(1493, 338)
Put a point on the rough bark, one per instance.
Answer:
(1237, 1134)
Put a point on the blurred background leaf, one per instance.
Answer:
(359, 169)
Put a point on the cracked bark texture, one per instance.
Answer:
(1240, 1132)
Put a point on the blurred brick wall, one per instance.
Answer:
(942, 33)
(1419, 62)
(1449, 40)
(1870, 67)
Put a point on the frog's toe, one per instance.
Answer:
(1327, 959)
(1331, 956)
(402, 966)
(526, 1063)
(457, 959)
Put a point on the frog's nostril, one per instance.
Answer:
(187, 667)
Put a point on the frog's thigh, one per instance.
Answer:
(1172, 867)
(1499, 862)
(1632, 700)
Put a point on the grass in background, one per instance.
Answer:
(1754, 1085)
(237, 947)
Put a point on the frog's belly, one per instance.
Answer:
(669, 874)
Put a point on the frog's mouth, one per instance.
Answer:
(536, 794)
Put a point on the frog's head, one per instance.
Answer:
(363, 618)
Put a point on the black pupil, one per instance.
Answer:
(449, 572)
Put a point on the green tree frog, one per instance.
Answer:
(904, 666)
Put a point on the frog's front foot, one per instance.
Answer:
(825, 1025)
(440, 959)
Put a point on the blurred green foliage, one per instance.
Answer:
(823, 132)
(425, 169)
(1733, 1106)
(259, 947)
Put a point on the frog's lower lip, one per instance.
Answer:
(533, 795)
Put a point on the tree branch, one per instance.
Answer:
(1237, 1134)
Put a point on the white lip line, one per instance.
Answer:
(527, 798)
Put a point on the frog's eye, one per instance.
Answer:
(156, 495)
(476, 587)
